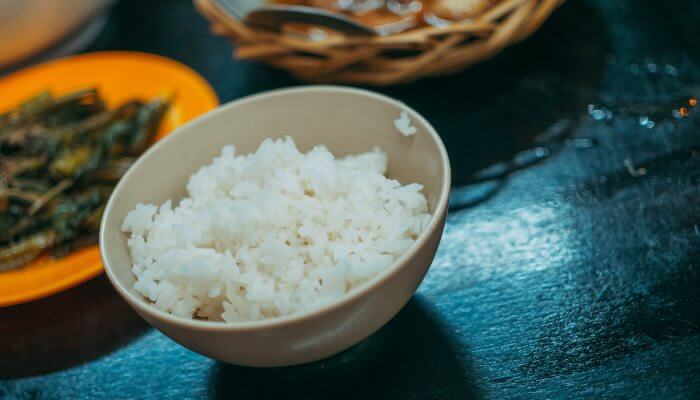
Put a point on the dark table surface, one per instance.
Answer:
(568, 267)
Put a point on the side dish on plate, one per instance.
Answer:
(119, 78)
(60, 158)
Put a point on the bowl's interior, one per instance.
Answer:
(347, 121)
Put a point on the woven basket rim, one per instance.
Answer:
(365, 59)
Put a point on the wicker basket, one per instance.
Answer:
(372, 60)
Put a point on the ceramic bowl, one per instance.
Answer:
(29, 26)
(347, 121)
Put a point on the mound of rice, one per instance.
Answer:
(272, 233)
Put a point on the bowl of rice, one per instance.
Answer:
(281, 228)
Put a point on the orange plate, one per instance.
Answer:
(119, 76)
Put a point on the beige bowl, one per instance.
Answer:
(347, 121)
(30, 26)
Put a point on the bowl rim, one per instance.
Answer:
(437, 217)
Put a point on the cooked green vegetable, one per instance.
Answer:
(60, 158)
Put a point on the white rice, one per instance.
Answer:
(403, 124)
(272, 233)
